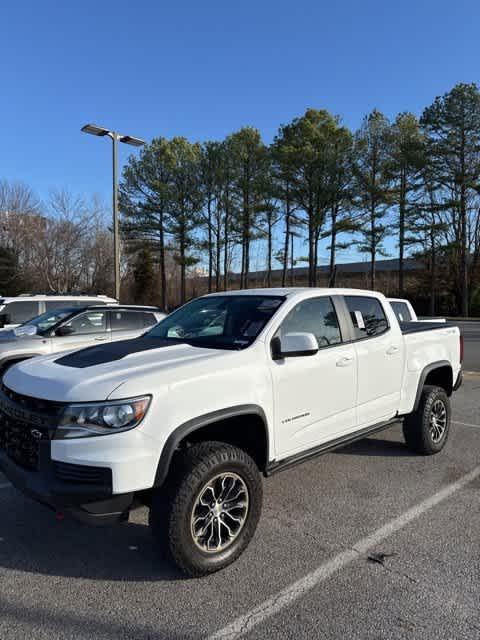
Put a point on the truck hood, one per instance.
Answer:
(93, 373)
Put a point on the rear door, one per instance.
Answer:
(379, 350)
(314, 396)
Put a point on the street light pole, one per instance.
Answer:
(116, 236)
(116, 138)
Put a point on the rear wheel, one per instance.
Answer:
(209, 510)
(426, 429)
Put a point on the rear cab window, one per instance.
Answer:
(367, 315)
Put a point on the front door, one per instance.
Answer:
(88, 328)
(314, 395)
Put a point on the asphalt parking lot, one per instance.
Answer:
(368, 542)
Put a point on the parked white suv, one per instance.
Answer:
(74, 328)
(187, 417)
(17, 310)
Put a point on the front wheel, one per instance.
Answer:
(426, 429)
(210, 508)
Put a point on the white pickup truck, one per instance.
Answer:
(231, 386)
(405, 312)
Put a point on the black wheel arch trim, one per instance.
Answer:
(195, 424)
(423, 376)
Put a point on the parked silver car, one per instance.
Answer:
(74, 328)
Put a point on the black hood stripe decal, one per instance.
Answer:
(103, 353)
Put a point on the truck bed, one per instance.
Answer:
(418, 327)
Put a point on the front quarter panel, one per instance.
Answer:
(233, 379)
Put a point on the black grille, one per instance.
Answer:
(32, 404)
(82, 474)
(21, 442)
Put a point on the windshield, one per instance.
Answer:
(47, 320)
(219, 322)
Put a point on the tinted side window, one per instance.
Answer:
(89, 322)
(51, 305)
(149, 319)
(317, 316)
(20, 312)
(402, 311)
(368, 316)
(126, 320)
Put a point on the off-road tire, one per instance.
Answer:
(417, 426)
(173, 505)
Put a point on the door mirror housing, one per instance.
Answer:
(293, 345)
(4, 319)
(65, 330)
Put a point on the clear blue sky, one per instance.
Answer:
(205, 68)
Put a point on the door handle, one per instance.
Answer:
(391, 350)
(345, 361)
(100, 339)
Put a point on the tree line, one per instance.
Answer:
(407, 187)
(412, 184)
(61, 245)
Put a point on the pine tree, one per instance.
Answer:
(372, 184)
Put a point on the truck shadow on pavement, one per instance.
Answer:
(376, 447)
(32, 540)
(62, 624)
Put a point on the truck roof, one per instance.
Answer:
(290, 291)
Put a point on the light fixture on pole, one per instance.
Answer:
(116, 137)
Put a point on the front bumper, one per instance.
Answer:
(89, 502)
(84, 491)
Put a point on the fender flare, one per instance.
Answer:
(195, 424)
(423, 376)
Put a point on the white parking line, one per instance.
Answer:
(287, 596)
(466, 424)
(5, 485)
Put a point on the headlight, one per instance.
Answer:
(96, 419)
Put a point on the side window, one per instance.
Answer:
(89, 322)
(402, 311)
(21, 312)
(368, 316)
(149, 319)
(317, 316)
(51, 305)
(126, 320)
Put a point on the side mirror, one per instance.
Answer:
(65, 330)
(4, 319)
(293, 345)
